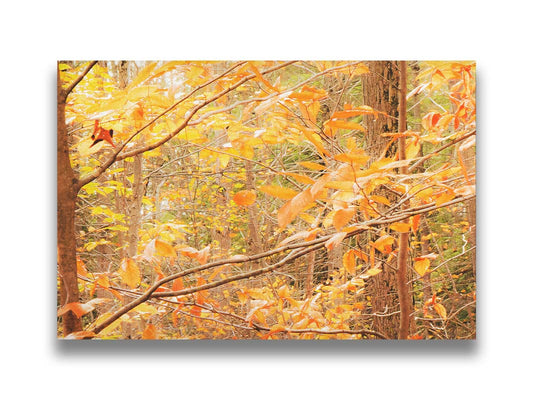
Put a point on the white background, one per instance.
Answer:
(495, 34)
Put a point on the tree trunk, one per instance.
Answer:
(380, 91)
(403, 240)
(67, 191)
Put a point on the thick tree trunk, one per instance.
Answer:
(67, 191)
(380, 91)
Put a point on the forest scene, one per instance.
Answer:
(266, 200)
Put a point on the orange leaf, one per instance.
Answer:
(342, 217)
(279, 191)
(81, 267)
(260, 77)
(439, 308)
(309, 93)
(348, 261)
(244, 198)
(360, 255)
(177, 284)
(335, 240)
(312, 165)
(384, 243)
(430, 256)
(130, 273)
(299, 178)
(188, 251)
(150, 332)
(362, 110)
(415, 222)
(293, 207)
(80, 309)
(401, 227)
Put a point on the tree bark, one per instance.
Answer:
(380, 91)
(403, 242)
(67, 192)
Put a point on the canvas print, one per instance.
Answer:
(266, 200)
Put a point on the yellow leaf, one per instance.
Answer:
(279, 191)
(400, 227)
(444, 198)
(164, 249)
(348, 261)
(412, 149)
(244, 198)
(422, 266)
(373, 271)
(380, 199)
(130, 273)
(439, 308)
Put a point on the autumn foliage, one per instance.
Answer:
(243, 200)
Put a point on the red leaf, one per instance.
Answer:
(100, 134)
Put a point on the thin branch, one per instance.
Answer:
(68, 90)
(457, 140)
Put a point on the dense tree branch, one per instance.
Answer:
(116, 156)
(298, 250)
